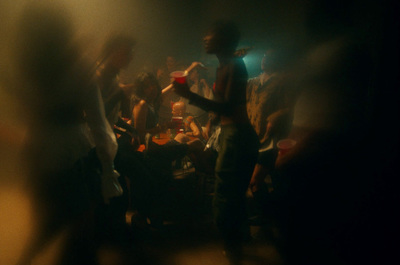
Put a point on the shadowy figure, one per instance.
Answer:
(328, 173)
(269, 106)
(64, 103)
(238, 141)
(191, 125)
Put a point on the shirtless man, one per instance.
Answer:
(237, 157)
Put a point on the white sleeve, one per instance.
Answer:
(103, 135)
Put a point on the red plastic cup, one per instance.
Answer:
(285, 145)
(179, 76)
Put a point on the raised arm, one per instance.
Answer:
(230, 82)
(139, 118)
(224, 108)
(195, 130)
(167, 89)
(194, 65)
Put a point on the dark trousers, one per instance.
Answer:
(233, 171)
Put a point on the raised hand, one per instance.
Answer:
(182, 90)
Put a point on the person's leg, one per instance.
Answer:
(134, 165)
(233, 170)
(259, 188)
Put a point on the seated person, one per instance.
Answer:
(146, 101)
(205, 156)
(191, 126)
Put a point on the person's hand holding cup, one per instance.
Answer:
(179, 76)
(285, 146)
(181, 87)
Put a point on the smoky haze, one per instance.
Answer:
(160, 28)
(174, 27)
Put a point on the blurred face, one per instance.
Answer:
(211, 43)
(267, 62)
(151, 90)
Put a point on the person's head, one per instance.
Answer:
(118, 51)
(222, 37)
(44, 44)
(268, 61)
(178, 109)
(171, 62)
(147, 87)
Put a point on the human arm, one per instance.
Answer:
(195, 130)
(230, 89)
(167, 89)
(194, 65)
(206, 104)
(127, 88)
(187, 71)
(129, 130)
(139, 117)
(105, 141)
(278, 124)
(104, 138)
(123, 124)
(207, 92)
(140, 113)
(258, 179)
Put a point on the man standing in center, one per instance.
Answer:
(238, 140)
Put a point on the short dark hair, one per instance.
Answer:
(114, 42)
(141, 84)
(227, 31)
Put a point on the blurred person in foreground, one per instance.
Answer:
(267, 94)
(269, 107)
(63, 102)
(116, 55)
(238, 141)
(329, 173)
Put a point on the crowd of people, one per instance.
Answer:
(87, 168)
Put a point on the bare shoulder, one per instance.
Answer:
(142, 103)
